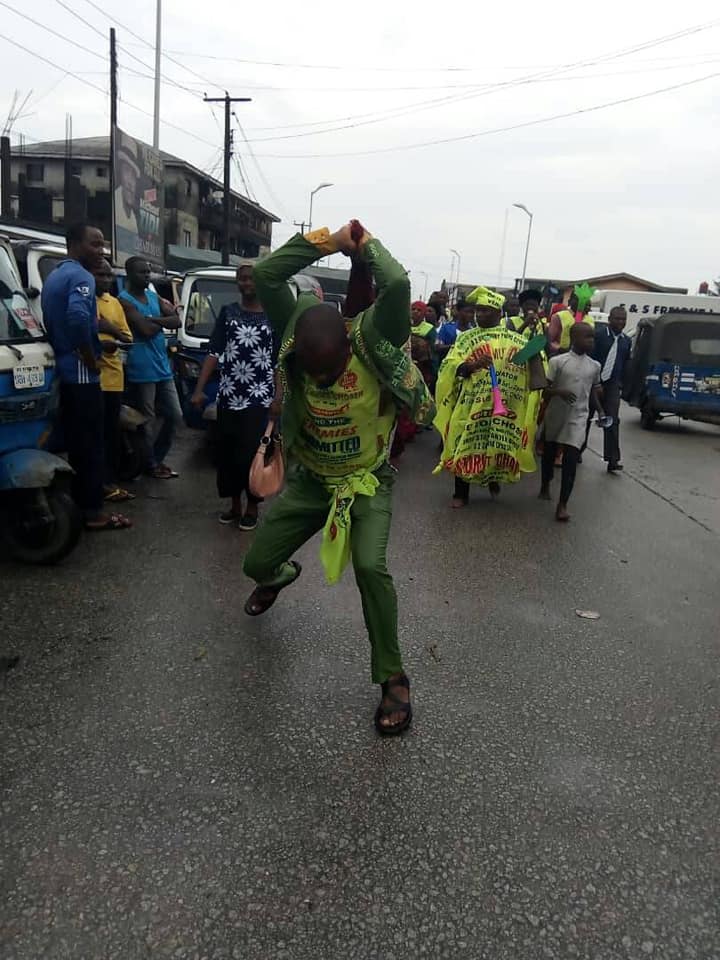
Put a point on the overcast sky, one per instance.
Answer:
(632, 187)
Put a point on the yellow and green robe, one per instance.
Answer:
(477, 446)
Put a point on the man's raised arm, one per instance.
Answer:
(271, 275)
(391, 310)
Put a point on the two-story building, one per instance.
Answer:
(54, 183)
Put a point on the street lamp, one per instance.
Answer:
(457, 270)
(423, 274)
(521, 206)
(312, 194)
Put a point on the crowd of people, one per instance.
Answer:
(498, 380)
(108, 348)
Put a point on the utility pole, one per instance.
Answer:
(158, 55)
(300, 224)
(113, 78)
(228, 101)
(113, 124)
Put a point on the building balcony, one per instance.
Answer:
(210, 217)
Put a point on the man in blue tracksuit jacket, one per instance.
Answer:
(70, 317)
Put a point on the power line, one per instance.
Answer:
(238, 165)
(95, 86)
(487, 133)
(167, 81)
(374, 113)
(488, 89)
(315, 66)
(147, 43)
(276, 203)
(462, 86)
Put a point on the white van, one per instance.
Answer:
(639, 304)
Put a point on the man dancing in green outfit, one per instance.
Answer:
(344, 385)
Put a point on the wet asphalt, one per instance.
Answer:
(179, 781)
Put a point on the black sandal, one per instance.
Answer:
(254, 606)
(396, 706)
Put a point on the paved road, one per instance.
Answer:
(678, 460)
(182, 782)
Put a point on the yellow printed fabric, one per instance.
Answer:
(422, 329)
(112, 378)
(335, 544)
(344, 438)
(322, 239)
(477, 446)
(484, 297)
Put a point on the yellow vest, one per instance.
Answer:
(567, 318)
(344, 438)
(346, 427)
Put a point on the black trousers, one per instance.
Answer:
(238, 437)
(462, 489)
(112, 401)
(81, 409)
(611, 436)
(569, 467)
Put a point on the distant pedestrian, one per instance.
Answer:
(70, 315)
(527, 319)
(562, 322)
(151, 385)
(448, 332)
(242, 347)
(438, 301)
(112, 327)
(422, 338)
(573, 378)
(612, 351)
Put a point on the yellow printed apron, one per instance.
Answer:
(344, 438)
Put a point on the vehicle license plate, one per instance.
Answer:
(28, 376)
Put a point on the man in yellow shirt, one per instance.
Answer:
(112, 326)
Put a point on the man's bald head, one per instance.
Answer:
(321, 343)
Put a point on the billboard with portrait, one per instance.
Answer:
(137, 200)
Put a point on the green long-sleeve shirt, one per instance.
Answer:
(377, 334)
(389, 315)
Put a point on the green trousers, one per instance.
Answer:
(298, 513)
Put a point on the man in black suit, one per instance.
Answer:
(612, 351)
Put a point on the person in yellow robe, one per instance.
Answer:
(481, 444)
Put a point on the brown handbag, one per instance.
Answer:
(267, 471)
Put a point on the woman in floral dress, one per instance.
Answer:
(242, 348)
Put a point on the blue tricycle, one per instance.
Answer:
(39, 521)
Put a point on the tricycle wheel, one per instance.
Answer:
(648, 417)
(47, 533)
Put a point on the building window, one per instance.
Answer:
(101, 172)
(35, 172)
(75, 169)
(188, 187)
(187, 238)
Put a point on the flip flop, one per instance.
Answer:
(254, 606)
(114, 521)
(161, 472)
(396, 706)
(118, 495)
